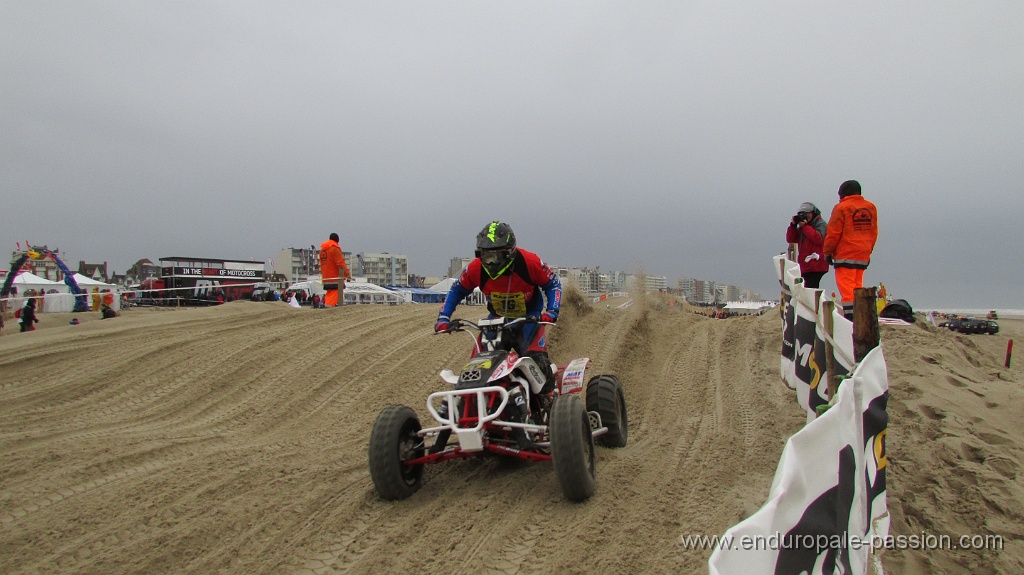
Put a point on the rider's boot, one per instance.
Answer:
(523, 416)
(544, 401)
(441, 441)
(523, 439)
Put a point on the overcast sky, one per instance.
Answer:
(674, 137)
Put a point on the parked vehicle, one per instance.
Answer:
(970, 325)
(312, 286)
(990, 327)
(954, 323)
(260, 291)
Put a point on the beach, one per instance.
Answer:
(232, 440)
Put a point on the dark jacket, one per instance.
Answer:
(28, 315)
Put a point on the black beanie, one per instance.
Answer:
(849, 188)
(334, 237)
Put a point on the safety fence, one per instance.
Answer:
(56, 297)
(827, 506)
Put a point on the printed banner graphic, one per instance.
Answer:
(827, 504)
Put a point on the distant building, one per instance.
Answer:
(686, 287)
(614, 281)
(417, 281)
(703, 291)
(587, 280)
(748, 295)
(651, 283)
(95, 271)
(725, 292)
(456, 265)
(45, 268)
(384, 269)
(297, 264)
(141, 270)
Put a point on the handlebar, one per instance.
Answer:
(495, 324)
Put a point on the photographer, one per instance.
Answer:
(807, 230)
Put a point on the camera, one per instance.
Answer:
(799, 218)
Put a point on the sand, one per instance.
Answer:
(232, 440)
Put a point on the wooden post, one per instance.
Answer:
(865, 322)
(828, 308)
(791, 252)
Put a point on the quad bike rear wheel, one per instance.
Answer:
(572, 448)
(605, 396)
(393, 441)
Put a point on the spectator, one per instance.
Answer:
(852, 232)
(333, 271)
(807, 230)
(28, 315)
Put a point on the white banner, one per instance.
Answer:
(802, 363)
(827, 506)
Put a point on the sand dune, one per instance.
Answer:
(233, 440)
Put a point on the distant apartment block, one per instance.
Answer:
(456, 265)
(656, 283)
(297, 264)
(384, 269)
(587, 280)
(686, 287)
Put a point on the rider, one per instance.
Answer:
(513, 280)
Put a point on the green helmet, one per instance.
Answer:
(496, 246)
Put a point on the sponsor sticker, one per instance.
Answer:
(572, 377)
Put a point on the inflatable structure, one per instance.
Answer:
(38, 253)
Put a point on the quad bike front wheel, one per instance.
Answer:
(393, 441)
(604, 395)
(572, 448)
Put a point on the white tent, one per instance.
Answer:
(364, 292)
(748, 307)
(442, 286)
(28, 282)
(88, 286)
(445, 285)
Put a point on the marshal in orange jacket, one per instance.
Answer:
(852, 232)
(332, 265)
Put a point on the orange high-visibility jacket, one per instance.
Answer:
(852, 232)
(332, 265)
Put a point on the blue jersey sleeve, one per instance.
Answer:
(553, 293)
(455, 296)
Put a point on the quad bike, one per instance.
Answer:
(495, 407)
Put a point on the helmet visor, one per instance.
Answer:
(496, 261)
